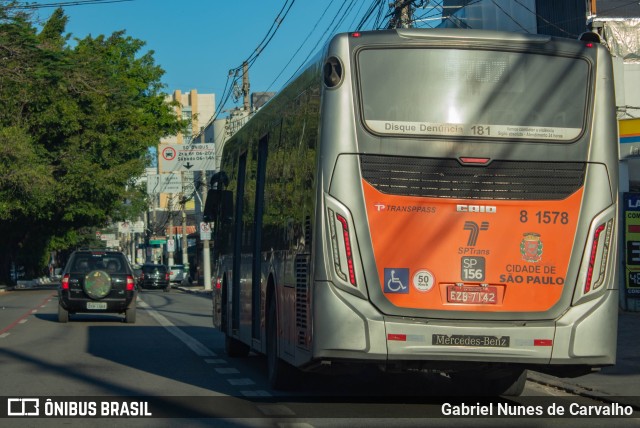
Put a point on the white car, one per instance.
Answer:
(177, 274)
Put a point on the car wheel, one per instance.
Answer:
(130, 314)
(63, 314)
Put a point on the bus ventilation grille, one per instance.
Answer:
(448, 178)
(302, 299)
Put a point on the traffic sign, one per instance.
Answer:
(163, 183)
(205, 231)
(186, 157)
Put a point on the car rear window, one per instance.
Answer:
(155, 268)
(109, 262)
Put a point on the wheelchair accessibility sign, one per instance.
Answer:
(396, 280)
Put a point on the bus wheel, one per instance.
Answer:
(281, 375)
(234, 348)
(506, 382)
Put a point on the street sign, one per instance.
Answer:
(164, 183)
(171, 245)
(137, 227)
(108, 236)
(124, 227)
(186, 157)
(629, 138)
(205, 231)
(632, 240)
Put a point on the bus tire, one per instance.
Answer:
(513, 385)
(506, 382)
(281, 375)
(234, 348)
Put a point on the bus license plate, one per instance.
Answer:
(96, 305)
(472, 295)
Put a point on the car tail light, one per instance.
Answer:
(130, 283)
(166, 276)
(65, 282)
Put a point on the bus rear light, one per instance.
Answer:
(475, 161)
(603, 242)
(346, 255)
(65, 282)
(347, 247)
(397, 337)
(130, 283)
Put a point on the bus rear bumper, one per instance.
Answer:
(348, 327)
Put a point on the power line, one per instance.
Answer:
(510, 17)
(301, 45)
(282, 14)
(546, 21)
(34, 6)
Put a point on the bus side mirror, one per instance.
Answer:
(226, 206)
(211, 206)
(218, 202)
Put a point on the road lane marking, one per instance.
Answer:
(3, 335)
(257, 393)
(23, 321)
(294, 425)
(29, 313)
(275, 410)
(241, 382)
(193, 344)
(227, 370)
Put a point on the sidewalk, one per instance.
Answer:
(619, 383)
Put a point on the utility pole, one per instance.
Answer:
(170, 237)
(206, 251)
(185, 242)
(402, 15)
(245, 86)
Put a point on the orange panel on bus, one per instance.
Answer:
(471, 255)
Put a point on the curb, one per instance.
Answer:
(582, 391)
(196, 291)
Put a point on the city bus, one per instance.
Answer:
(432, 200)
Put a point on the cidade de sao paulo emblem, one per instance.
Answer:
(531, 247)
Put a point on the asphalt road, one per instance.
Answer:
(173, 360)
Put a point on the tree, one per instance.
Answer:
(76, 124)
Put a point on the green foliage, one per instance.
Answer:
(76, 125)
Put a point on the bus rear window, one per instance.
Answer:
(473, 93)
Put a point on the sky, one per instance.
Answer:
(197, 42)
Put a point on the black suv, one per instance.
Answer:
(155, 277)
(97, 281)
